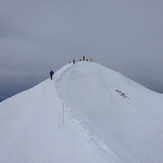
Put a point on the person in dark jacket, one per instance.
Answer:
(51, 74)
(83, 58)
(73, 61)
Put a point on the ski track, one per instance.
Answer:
(99, 143)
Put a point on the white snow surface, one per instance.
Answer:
(87, 114)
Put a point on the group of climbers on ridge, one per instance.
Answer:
(90, 59)
(73, 61)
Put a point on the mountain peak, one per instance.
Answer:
(88, 113)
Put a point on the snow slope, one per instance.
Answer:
(88, 113)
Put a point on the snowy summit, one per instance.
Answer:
(86, 114)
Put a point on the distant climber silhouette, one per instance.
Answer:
(73, 61)
(91, 59)
(51, 74)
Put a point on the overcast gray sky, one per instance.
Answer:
(39, 35)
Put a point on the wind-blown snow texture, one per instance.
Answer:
(88, 113)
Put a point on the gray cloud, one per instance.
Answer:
(37, 36)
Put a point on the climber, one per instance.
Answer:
(51, 74)
(91, 59)
(73, 61)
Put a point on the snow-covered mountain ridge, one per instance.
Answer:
(88, 113)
